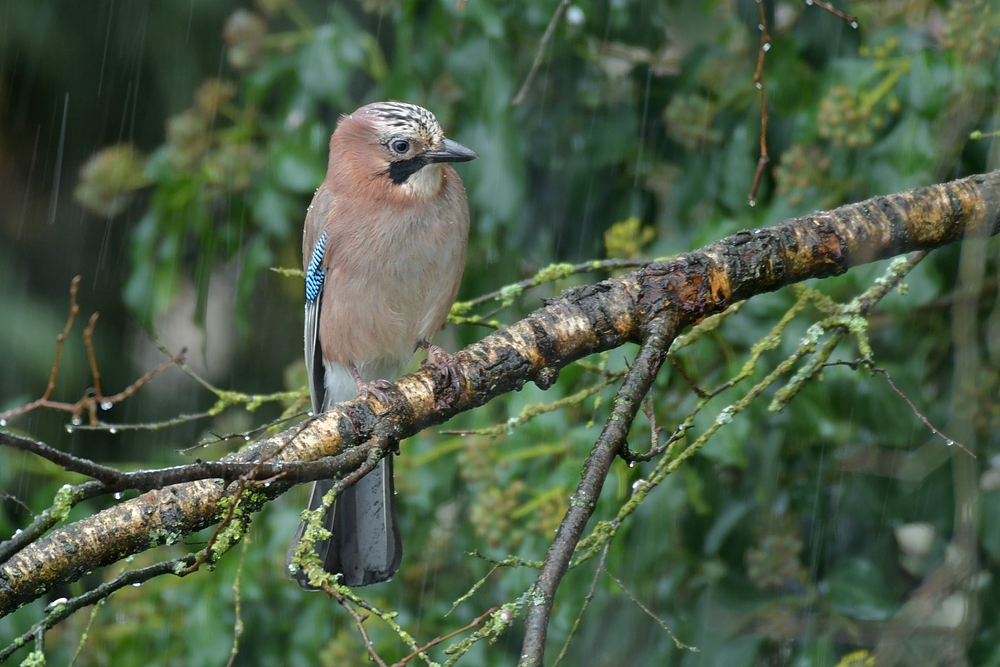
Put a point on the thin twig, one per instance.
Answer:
(586, 603)
(93, 399)
(85, 634)
(472, 591)
(701, 393)
(851, 20)
(758, 82)
(649, 408)
(62, 608)
(359, 620)
(74, 308)
(854, 365)
(20, 503)
(147, 426)
(88, 341)
(542, 45)
(238, 622)
(677, 642)
(435, 642)
(582, 503)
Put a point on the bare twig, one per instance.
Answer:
(542, 45)
(74, 308)
(93, 399)
(435, 642)
(17, 501)
(238, 611)
(851, 20)
(88, 403)
(699, 392)
(586, 603)
(649, 409)
(359, 621)
(88, 341)
(85, 634)
(677, 642)
(758, 82)
(857, 363)
(582, 504)
(62, 608)
(472, 591)
(113, 480)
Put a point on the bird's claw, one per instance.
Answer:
(450, 368)
(377, 388)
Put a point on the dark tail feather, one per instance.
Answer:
(365, 546)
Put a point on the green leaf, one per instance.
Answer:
(856, 588)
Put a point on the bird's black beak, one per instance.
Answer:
(451, 151)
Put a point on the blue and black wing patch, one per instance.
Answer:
(315, 278)
(315, 275)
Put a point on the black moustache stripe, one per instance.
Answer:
(400, 171)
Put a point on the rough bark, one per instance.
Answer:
(579, 322)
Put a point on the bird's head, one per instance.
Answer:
(402, 143)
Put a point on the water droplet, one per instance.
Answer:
(106, 405)
(118, 495)
(17, 532)
(55, 603)
(760, 26)
(112, 430)
(267, 484)
(247, 438)
(809, 2)
(758, 85)
(949, 442)
(3, 422)
(854, 24)
(766, 47)
(77, 420)
(69, 429)
(631, 464)
(137, 584)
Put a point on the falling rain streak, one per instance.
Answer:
(54, 201)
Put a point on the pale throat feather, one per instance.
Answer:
(425, 183)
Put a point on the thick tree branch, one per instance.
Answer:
(580, 322)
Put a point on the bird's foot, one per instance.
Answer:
(450, 368)
(376, 388)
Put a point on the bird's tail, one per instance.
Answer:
(365, 545)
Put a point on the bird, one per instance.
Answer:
(383, 248)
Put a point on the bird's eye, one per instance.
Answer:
(400, 146)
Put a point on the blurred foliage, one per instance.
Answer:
(792, 536)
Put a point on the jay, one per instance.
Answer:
(384, 248)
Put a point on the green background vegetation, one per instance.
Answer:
(166, 151)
